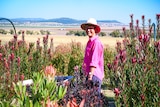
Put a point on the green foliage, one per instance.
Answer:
(108, 57)
(66, 57)
(2, 31)
(43, 32)
(11, 31)
(75, 58)
(116, 33)
(102, 34)
(76, 33)
(37, 94)
(82, 33)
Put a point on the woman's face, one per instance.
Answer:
(90, 31)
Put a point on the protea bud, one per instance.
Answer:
(117, 91)
(50, 72)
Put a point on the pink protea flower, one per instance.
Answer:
(16, 77)
(124, 29)
(50, 103)
(142, 97)
(131, 15)
(12, 48)
(158, 16)
(138, 49)
(20, 43)
(117, 91)
(30, 58)
(76, 68)
(6, 63)
(1, 56)
(109, 66)
(142, 17)
(146, 38)
(51, 39)
(11, 57)
(140, 60)
(50, 71)
(137, 22)
(141, 37)
(134, 60)
(126, 42)
(49, 51)
(15, 37)
(131, 25)
(22, 77)
(23, 32)
(8, 75)
(18, 61)
(123, 54)
(117, 57)
(115, 64)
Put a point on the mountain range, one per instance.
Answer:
(62, 20)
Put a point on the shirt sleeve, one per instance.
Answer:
(96, 53)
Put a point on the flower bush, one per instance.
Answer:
(135, 71)
(82, 92)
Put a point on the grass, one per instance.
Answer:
(62, 39)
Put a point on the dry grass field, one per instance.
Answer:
(109, 41)
(59, 37)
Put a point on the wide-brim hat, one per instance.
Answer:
(92, 22)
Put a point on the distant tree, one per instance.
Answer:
(116, 33)
(71, 32)
(48, 32)
(11, 31)
(29, 32)
(20, 32)
(102, 34)
(2, 31)
(80, 33)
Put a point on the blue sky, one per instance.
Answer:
(119, 10)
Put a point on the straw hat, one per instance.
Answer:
(92, 22)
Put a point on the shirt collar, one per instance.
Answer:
(93, 38)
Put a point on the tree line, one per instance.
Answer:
(115, 33)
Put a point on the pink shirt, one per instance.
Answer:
(94, 57)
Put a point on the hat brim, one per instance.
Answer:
(97, 28)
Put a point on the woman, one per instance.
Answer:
(93, 63)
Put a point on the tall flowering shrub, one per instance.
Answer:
(18, 61)
(135, 71)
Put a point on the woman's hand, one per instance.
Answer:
(90, 76)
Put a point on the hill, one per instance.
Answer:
(62, 20)
(56, 22)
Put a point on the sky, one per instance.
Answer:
(119, 10)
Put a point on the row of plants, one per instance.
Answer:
(135, 70)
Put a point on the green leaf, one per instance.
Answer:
(60, 92)
(64, 91)
(37, 104)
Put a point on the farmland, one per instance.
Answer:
(59, 35)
